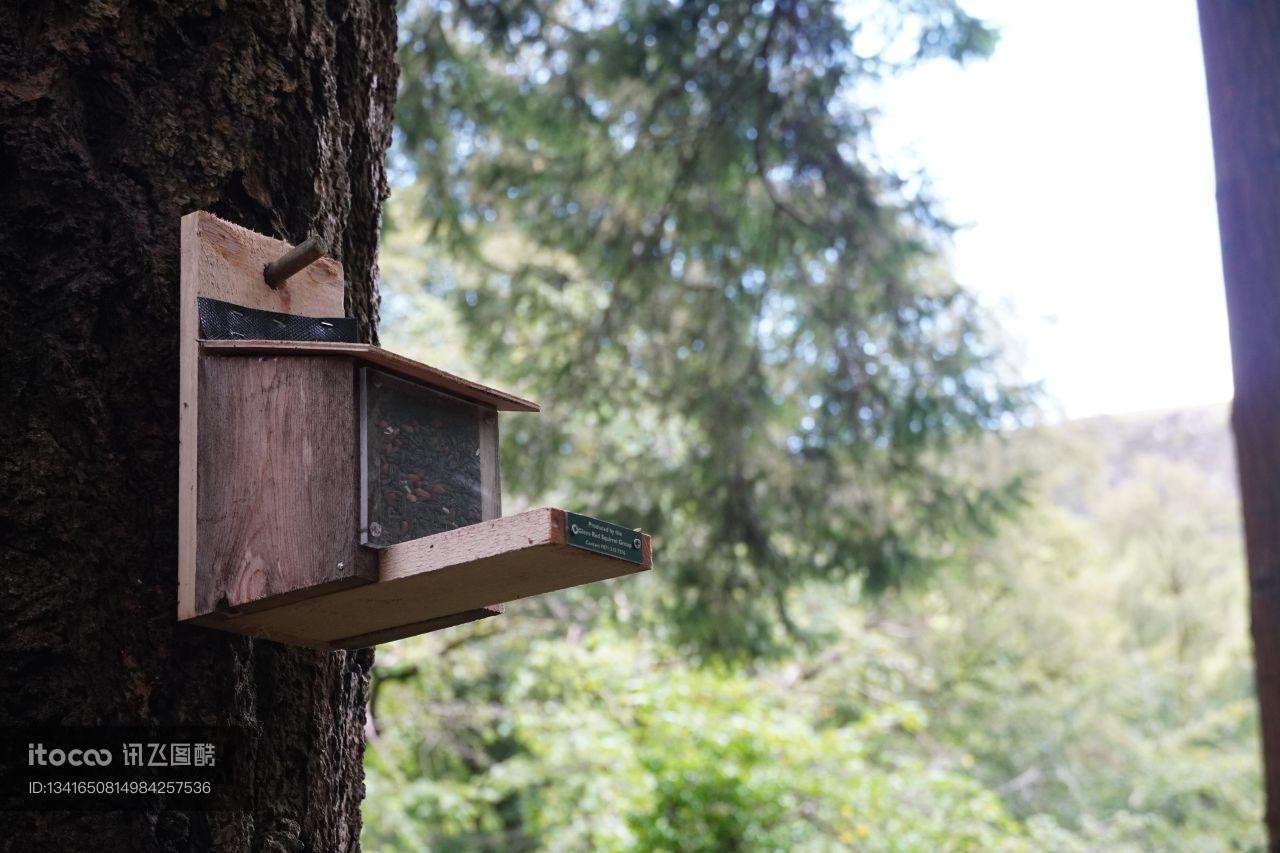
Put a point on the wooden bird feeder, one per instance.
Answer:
(334, 494)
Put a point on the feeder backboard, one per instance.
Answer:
(335, 494)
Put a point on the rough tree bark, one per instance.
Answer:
(117, 117)
(1242, 61)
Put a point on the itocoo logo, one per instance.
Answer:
(38, 755)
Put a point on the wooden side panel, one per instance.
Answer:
(188, 412)
(224, 261)
(439, 577)
(276, 489)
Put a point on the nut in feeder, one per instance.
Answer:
(334, 494)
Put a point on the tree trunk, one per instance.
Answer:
(1242, 60)
(116, 118)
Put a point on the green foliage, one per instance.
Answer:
(1060, 692)
(666, 222)
(620, 745)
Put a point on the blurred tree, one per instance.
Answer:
(667, 221)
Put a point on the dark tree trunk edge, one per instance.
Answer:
(116, 118)
(1242, 62)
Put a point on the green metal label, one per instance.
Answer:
(612, 540)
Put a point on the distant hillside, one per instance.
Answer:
(1200, 437)
(1107, 451)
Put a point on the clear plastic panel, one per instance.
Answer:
(429, 460)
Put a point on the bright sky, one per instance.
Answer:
(1080, 156)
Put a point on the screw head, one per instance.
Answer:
(375, 530)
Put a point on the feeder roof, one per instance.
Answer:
(375, 356)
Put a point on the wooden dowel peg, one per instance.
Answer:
(294, 260)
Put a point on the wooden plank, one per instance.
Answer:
(224, 261)
(276, 493)
(414, 629)
(380, 358)
(233, 623)
(188, 409)
(231, 260)
(440, 576)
